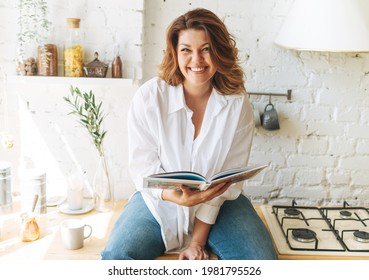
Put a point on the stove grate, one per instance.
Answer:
(331, 218)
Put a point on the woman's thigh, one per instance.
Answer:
(135, 235)
(240, 234)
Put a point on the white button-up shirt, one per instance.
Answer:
(161, 139)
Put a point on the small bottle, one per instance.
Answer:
(117, 65)
(73, 50)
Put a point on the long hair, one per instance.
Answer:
(229, 77)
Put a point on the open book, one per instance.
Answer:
(196, 181)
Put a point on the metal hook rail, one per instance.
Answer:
(288, 94)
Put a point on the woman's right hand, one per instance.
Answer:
(187, 197)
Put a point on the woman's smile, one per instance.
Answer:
(197, 69)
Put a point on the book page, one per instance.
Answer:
(231, 172)
(173, 184)
(180, 175)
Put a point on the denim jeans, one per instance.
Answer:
(238, 234)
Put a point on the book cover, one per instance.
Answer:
(196, 181)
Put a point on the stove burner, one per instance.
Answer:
(303, 235)
(345, 214)
(361, 236)
(292, 212)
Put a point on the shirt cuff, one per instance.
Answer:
(207, 213)
(156, 193)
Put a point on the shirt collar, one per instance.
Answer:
(176, 100)
(216, 102)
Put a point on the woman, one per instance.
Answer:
(194, 116)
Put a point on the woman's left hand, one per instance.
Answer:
(194, 252)
(187, 197)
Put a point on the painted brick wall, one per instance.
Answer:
(45, 137)
(103, 24)
(320, 155)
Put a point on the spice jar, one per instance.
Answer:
(73, 50)
(27, 67)
(48, 60)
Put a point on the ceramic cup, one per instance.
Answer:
(73, 233)
(269, 119)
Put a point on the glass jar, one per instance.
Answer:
(73, 50)
(5, 187)
(27, 61)
(47, 60)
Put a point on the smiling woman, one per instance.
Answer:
(196, 117)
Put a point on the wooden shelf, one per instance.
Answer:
(68, 80)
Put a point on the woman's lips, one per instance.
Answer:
(197, 69)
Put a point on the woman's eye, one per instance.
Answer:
(205, 49)
(185, 50)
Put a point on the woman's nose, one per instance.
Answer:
(197, 56)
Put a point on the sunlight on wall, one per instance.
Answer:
(35, 152)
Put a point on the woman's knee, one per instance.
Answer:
(239, 233)
(135, 235)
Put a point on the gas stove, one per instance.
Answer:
(325, 231)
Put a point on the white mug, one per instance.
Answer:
(73, 233)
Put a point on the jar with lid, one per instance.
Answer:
(73, 50)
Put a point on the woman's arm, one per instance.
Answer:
(196, 250)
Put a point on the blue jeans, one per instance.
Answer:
(238, 234)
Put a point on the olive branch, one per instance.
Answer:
(90, 115)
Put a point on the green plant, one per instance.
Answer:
(33, 26)
(90, 115)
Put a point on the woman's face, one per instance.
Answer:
(194, 57)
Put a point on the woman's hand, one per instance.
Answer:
(187, 197)
(194, 252)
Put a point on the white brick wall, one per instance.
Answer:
(44, 135)
(320, 154)
(103, 23)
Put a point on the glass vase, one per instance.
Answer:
(103, 189)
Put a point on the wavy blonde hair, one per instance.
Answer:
(229, 77)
